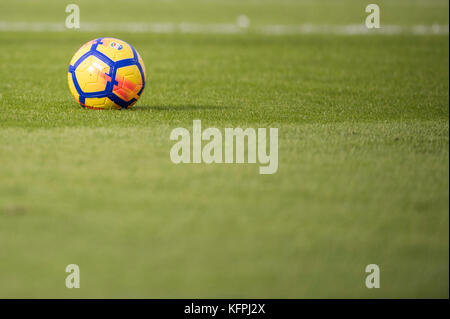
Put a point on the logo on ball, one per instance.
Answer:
(116, 45)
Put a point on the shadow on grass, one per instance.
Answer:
(178, 107)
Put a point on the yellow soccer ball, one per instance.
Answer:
(106, 73)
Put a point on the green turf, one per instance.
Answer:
(332, 12)
(363, 167)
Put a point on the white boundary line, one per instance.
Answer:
(351, 29)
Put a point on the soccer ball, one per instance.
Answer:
(106, 73)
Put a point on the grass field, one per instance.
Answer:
(363, 157)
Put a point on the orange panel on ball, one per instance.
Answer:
(129, 83)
